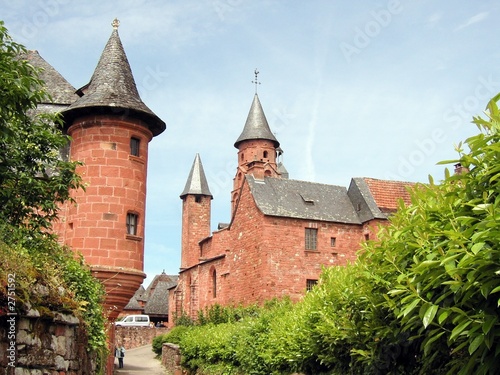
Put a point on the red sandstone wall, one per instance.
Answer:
(195, 226)
(261, 257)
(116, 184)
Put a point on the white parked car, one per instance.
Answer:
(134, 321)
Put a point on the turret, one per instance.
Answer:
(257, 149)
(196, 206)
(110, 128)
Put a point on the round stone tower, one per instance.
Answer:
(110, 128)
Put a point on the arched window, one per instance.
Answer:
(214, 283)
(265, 154)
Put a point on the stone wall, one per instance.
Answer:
(171, 359)
(32, 345)
(134, 337)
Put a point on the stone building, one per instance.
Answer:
(281, 233)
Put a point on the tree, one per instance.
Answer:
(34, 179)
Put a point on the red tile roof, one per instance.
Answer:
(387, 193)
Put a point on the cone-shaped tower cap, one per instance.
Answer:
(196, 183)
(112, 89)
(256, 126)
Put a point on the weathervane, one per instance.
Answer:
(115, 23)
(256, 79)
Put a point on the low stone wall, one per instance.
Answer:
(134, 337)
(33, 345)
(171, 359)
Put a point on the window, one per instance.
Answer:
(214, 283)
(333, 241)
(367, 237)
(132, 220)
(311, 238)
(310, 283)
(134, 146)
(265, 154)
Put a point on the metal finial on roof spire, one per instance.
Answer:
(115, 23)
(256, 72)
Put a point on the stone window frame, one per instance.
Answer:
(132, 223)
(311, 238)
(135, 145)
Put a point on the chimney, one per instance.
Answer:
(459, 169)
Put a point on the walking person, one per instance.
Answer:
(120, 353)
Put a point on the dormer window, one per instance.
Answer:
(309, 201)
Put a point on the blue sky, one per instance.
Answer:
(381, 89)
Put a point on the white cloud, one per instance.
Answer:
(474, 19)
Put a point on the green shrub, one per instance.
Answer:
(174, 336)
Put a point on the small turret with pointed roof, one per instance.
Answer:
(112, 89)
(257, 148)
(196, 183)
(196, 206)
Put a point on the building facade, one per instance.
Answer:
(282, 232)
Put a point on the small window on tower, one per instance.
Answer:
(132, 220)
(214, 284)
(265, 154)
(134, 146)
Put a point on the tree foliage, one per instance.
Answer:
(34, 179)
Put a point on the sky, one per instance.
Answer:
(382, 89)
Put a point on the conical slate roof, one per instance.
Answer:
(256, 126)
(112, 89)
(197, 182)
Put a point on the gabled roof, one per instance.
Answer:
(302, 200)
(158, 300)
(196, 183)
(256, 126)
(366, 199)
(60, 90)
(157, 294)
(112, 89)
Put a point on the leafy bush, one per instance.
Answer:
(443, 255)
(174, 336)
